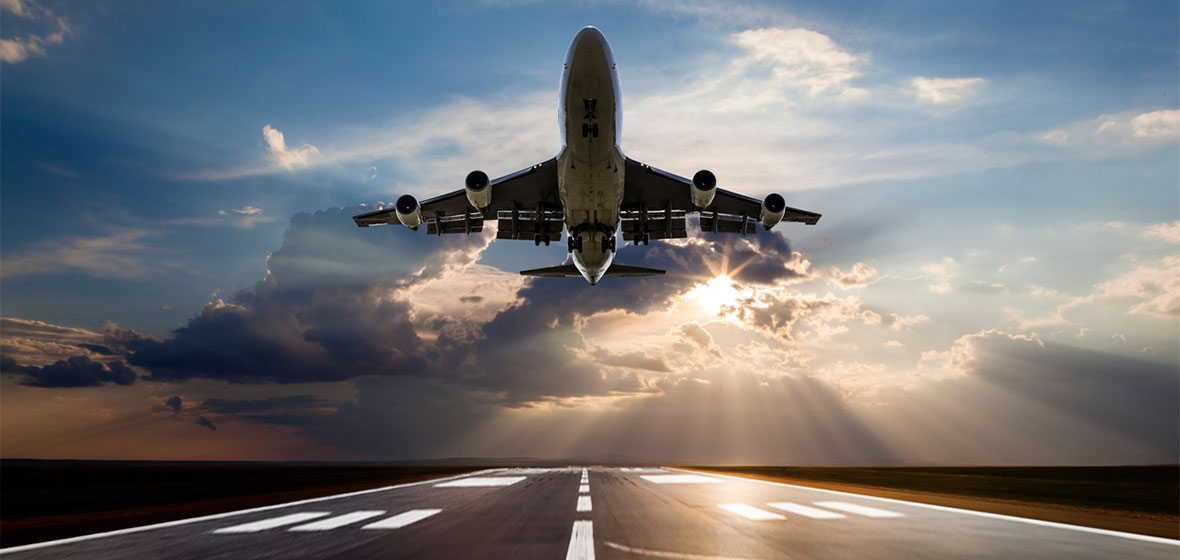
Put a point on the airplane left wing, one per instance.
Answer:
(529, 195)
(656, 202)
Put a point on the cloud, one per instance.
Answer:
(903, 322)
(942, 272)
(175, 403)
(32, 44)
(77, 371)
(856, 278)
(700, 337)
(205, 422)
(1157, 124)
(944, 91)
(1169, 232)
(801, 58)
(120, 254)
(288, 158)
(298, 402)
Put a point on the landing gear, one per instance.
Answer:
(575, 243)
(608, 244)
(589, 130)
(642, 238)
(539, 239)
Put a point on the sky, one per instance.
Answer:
(995, 279)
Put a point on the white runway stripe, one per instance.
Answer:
(478, 481)
(338, 521)
(581, 541)
(859, 510)
(290, 519)
(750, 512)
(584, 489)
(402, 519)
(806, 511)
(584, 503)
(681, 479)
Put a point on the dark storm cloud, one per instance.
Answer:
(316, 316)
(98, 349)
(77, 371)
(174, 403)
(205, 422)
(297, 402)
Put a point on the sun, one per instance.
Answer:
(712, 295)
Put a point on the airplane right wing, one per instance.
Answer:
(526, 202)
(655, 203)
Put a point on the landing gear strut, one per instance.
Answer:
(608, 244)
(575, 243)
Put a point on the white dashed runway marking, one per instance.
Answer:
(581, 541)
(480, 481)
(859, 510)
(681, 479)
(402, 519)
(751, 512)
(290, 519)
(584, 489)
(584, 504)
(806, 511)
(338, 521)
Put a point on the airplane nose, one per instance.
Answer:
(588, 38)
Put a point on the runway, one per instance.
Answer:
(594, 512)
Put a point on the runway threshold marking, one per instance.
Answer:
(680, 479)
(402, 519)
(751, 512)
(481, 481)
(338, 521)
(584, 504)
(581, 541)
(806, 511)
(167, 524)
(858, 509)
(255, 526)
(1105, 532)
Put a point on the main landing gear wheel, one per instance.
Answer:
(575, 244)
(589, 130)
(608, 245)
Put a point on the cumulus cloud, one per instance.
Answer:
(856, 278)
(802, 58)
(1157, 124)
(18, 49)
(288, 158)
(944, 91)
(175, 403)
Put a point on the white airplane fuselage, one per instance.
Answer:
(590, 165)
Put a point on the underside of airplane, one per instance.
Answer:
(591, 190)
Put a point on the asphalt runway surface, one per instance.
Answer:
(603, 513)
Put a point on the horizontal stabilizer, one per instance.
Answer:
(569, 270)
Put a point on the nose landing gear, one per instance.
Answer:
(575, 243)
(608, 244)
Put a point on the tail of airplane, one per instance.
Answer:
(569, 270)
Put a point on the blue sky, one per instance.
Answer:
(996, 179)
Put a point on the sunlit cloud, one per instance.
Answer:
(944, 91)
(288, 158)
(13, 50)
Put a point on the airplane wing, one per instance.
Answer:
(653, 194)
(528, 194)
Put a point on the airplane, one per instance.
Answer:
(591, 188)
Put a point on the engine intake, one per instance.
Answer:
(704, 186)
(773, 207)
(479, 189)
(409, 212)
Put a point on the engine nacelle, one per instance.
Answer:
(409, 212)
(704, 186)
(773, 207)
(479, 189)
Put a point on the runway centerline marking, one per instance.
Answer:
(481, 481)
(858, 509)
(581, 541)
(255, 526)
(338, 521)
(751, 512)
(402, 519)
(584, 504)
(584, 489)
(806, 511)
(680, 479)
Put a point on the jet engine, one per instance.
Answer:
(409, 212)
(479, 189)
(704, 186)
(773, 207)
